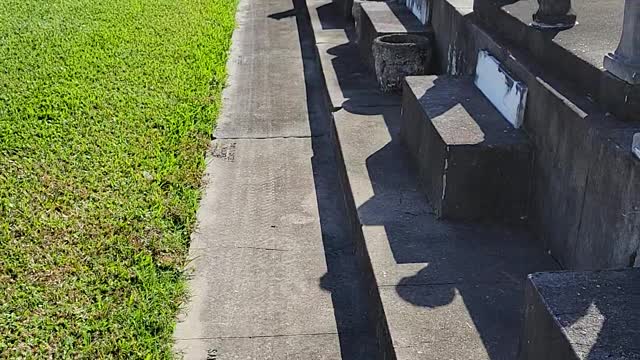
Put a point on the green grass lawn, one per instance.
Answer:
(106, 110)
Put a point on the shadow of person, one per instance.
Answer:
(489, 308)
(443, 295)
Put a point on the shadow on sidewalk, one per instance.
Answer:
(343, 278)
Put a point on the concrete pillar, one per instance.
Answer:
(625, 61)
(554, 15)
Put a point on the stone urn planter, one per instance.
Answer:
(399, 55)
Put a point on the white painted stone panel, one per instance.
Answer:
(508, 95)
(635, 148)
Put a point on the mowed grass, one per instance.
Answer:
(106, 111)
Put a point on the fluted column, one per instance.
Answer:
(554, 14)
(625, 61)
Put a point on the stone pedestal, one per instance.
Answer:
(554, 14)
(624, 63)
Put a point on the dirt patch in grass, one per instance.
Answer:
(106, 110)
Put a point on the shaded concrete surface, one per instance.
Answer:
(583, 315)
(447, 290)
(273, 274)
(265, 75)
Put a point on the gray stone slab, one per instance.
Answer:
(461, 114)
(258, 256)
(583, 315)
(440, 283)
(266, 35)
(260, 193)
(265, 96)
(349, 82)
(258, 10)
(454, 321)
(312, 347)
(256, 292)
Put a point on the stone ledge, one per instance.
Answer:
(471, 162)
(582, 315)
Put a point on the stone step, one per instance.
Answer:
(439, 289)
(377, 18)
(472, 164)
(582, 315)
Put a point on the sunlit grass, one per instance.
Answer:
(106, 109)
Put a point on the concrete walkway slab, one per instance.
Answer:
(265, 96)
(273, 270)
(256, 292)
(260, 194)
(258, 255)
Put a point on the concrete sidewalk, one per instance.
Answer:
(273, 269)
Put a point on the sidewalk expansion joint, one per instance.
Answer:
(256, 336)
(257, 248)
(268, 137)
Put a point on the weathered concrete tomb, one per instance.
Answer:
(510, 170)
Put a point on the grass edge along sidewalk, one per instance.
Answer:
(106, 110)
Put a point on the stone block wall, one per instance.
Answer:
(586, 186)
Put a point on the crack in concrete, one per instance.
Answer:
(582, 206)
(258, 248)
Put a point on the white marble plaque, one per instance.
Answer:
(635, 149)
(508, 95)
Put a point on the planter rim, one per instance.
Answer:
(402, 40)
